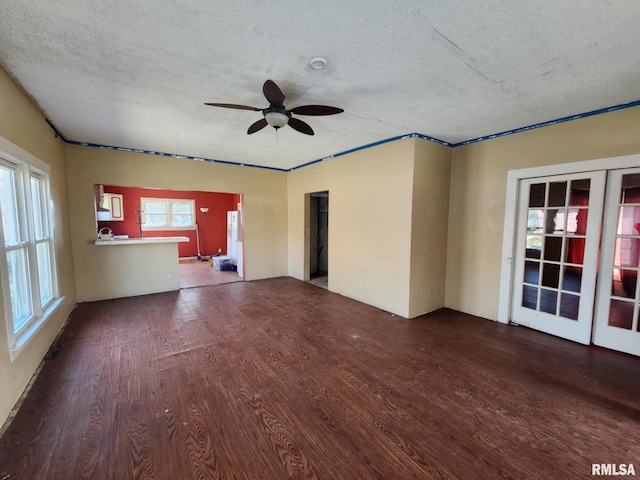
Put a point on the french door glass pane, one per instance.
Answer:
(572, 279)
(628, 220)
(537, 194)
(19, 287)
(557, 194)
(579, 194)
(9, 207)
(569, 306)
(44, 272)
(621, 314)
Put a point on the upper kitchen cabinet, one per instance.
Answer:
(108, 206)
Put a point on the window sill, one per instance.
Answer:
(25, 337)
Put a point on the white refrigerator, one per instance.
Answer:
(234, 239)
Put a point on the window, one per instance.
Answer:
(168, 214)
(28, 273)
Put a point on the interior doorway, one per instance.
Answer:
(319, 238)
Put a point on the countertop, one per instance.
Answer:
(143, 240)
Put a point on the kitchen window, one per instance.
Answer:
(168, 214)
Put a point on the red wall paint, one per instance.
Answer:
(213, 231)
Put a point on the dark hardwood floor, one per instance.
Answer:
(279, 379)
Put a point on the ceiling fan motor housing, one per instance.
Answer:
(276, 116)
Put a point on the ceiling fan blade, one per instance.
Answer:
(273, 93)
(300, 126)
(316, 110)
(259, 125)
(233, 105)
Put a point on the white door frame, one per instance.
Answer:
(511, 211)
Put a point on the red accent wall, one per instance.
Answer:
(213, 231)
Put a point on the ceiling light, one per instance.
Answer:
(318, 63)
(276, 119)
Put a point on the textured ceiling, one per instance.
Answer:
(137, 74)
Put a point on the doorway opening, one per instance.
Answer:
(318, 216)
(211, 221)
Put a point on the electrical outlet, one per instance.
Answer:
(169, 276)
(219, 250)
(429, 293)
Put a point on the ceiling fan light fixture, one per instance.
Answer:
(276, 119)
(318, 63)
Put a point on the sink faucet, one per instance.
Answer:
(105, 236)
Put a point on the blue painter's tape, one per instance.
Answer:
(569, 118)
(164, 154)
(363, 147)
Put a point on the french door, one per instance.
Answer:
(556, 253)
(618, 302)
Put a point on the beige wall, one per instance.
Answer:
(265, 206)
(125, 270)
(370, 197)
(429, 218)
(478, 189)
(22, 124)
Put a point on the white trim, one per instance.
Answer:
(23, 339)
(14, 153)
(511, 210)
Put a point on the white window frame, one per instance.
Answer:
(25, 167)
(169, 202)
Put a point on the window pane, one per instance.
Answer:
(19, 287)
(156, 220)
(181, 208)
(181, 221)
(9, 207)
(44, 272)
(36, 200)
(155, 207)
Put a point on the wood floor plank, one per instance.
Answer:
(281, 379)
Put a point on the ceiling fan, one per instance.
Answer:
(276, 115)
